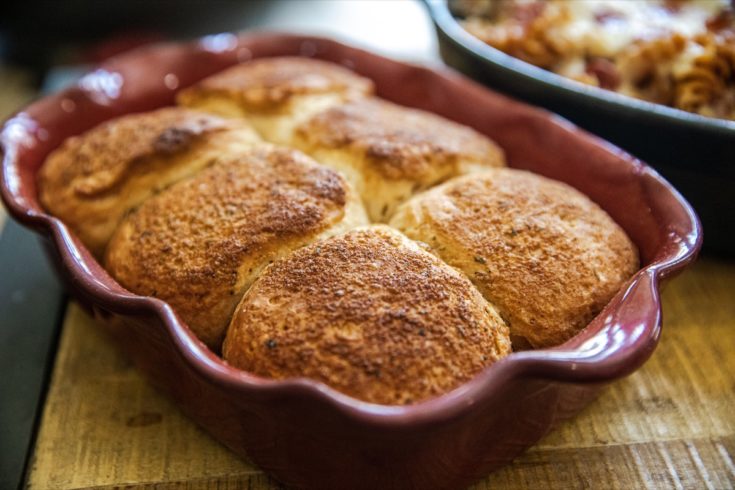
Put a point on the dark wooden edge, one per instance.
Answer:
(32, 303)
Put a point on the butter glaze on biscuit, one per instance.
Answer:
(94, 179)
(201, 243)
(391, 152)
(371, 314)
(544, 254)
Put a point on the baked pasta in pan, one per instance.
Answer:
(679, 53)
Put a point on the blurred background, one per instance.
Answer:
(43, 43)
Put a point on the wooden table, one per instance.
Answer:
(669, 425)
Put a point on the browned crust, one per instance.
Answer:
(546, 256)
(398, 142)
(370, 314)
(270, 83)
(188, 244)
(83, 182)
(101, 158)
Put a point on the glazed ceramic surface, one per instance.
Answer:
(300, 431)
(695, 153)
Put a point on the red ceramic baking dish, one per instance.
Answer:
(300, 431)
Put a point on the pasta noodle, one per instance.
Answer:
(704, 87)
(530, 39)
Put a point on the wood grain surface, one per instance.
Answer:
(669, 425)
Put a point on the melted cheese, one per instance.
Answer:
(626, 21)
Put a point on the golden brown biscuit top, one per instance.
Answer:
(369, 313)
(98, 160)
(189, 241)
(397, 141)
(543, 253)
(268, 83)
